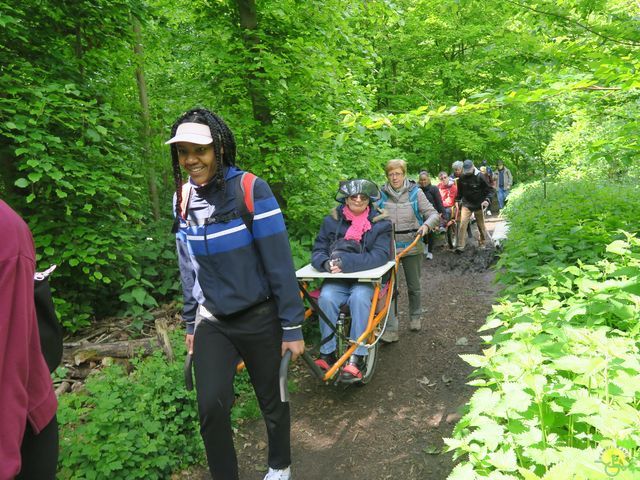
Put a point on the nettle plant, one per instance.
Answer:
(142, 424)
(559, 387)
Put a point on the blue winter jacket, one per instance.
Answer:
(229, 268)
(375, 246)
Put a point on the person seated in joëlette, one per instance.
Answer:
(355, 236)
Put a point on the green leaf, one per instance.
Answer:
(139, 294)
(22, 183)
(34, 176)
(619, 247)
(503, 461)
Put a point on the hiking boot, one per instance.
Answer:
(273, 474)
(352, 372)
(325, 362)
(458, 250)
(389, 336)
(428, 256)
(415, 324)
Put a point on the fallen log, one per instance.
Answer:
(124, 349)
(162, 334)
(63, 388)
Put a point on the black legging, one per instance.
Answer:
(39, 453)
(256, 336)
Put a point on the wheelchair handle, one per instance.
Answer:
(188, 376)
(284, 376)
(409, 247)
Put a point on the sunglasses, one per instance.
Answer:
(359, 196)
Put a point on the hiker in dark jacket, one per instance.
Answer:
(356, 236)
(433, 195)
(475, 194)
(240, 290)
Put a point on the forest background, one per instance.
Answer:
(315, 92)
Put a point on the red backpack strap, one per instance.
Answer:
(187, 189)
(247, 182)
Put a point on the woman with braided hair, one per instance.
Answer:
(240, 291)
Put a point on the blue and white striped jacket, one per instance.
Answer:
(227, 268)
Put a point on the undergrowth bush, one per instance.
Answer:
(142, 425)
(559, 387)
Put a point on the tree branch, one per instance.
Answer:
(575, 22)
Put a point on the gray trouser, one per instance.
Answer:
(412, 267)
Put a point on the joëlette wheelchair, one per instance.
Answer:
(383, 300)
(385, 292)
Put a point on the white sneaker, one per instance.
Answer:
(273, 474)
(429, 256)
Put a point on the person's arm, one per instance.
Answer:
(376, 256)
(459, 189)
(487, 191)
(188, 280)
(271, 240)
(438, 199)
(320, 253)
(428, 212)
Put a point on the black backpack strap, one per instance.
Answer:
(49, 327)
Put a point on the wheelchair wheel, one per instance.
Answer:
(452, 235)
(370, 365)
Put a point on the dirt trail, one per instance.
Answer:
(393, 427)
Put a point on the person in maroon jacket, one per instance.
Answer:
(28, 426)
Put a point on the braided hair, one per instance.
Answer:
(224, 149)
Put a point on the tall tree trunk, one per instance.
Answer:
(145, 116)
(250, 39)
(259, 102)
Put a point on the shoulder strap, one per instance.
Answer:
(247, 181)
(413, 198)
(383, 199)
(187, 189)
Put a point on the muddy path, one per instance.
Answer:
(393, 427)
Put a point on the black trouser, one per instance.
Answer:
(429, 239)
(39, 453)
(256, 336)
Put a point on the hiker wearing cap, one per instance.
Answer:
(239, 281)
(503, 180)
(355, 236)
(411, 214)
(474, 193)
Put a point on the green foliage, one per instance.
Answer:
(574, 224)
(560, 383)
(141, 425)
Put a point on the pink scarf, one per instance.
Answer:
(359, 224)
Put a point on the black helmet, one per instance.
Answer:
(359, 185)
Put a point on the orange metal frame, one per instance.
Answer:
(374, 318)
